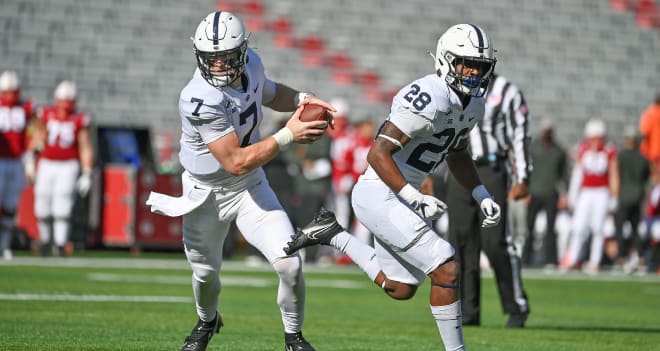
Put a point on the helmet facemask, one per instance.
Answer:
(221, 68)
(474, 86)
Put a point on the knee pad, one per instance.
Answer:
(289, 269)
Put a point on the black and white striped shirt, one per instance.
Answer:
(504, 130)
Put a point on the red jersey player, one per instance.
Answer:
(14, 118)
(65, 165)
(593, 192)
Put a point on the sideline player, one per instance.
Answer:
(593, 193)
(64, 167)
(429, 122)
(15, 115)
(222, 152)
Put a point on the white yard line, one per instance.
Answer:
(226, 280)
(93, 298)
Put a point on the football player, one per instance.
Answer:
(429, 122)
(65, 166)
(223, 152)
(15, 114)
(593, 193)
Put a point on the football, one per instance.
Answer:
(314, 113)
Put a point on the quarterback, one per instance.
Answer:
(429, 121)
(222, 153)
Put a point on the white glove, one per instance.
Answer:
(428, 207)
(612, 204)
(489, 208)
(30, 165)
(84, 183)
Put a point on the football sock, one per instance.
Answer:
(206, 297)
(448, 320)
(291, 292)
(362, 254)
(60, 231)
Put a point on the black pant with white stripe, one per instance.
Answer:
(468, 239)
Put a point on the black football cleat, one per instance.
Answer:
(319, 231)
(296, 342)
(202, 333)
(517, 320)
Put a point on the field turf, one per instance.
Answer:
(146, 304)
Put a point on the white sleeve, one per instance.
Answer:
(269, 91)
(211, 122)
(408, 122)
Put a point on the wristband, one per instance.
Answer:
(300, 97)
(409, 193)
(283, 137)
(479, 193)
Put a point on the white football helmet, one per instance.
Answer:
(66, 90)
(595, 128)
(220, 45)
(469, 45)
(9, 81)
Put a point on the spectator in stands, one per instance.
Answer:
(223, 153)
(64, 167)
(634, 174)
(547, 182)
(649, 127)
(15, 114)
(593, 193)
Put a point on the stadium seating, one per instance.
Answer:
(575, 59)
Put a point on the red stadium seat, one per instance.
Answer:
(253, 13)
(312, 50)
(282, 32)
(341, 66)
(647, 14)
(621, 5)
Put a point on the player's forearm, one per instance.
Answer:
(284, 100)
(86, 151)
(246, 159)
(461, 166)
(383, 163)
(614, 179)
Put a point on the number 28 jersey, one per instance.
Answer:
(432, 115)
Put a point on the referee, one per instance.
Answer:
(502, 135)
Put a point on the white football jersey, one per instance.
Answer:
(431, 114)
(209, 113)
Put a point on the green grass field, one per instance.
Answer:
(146, 304)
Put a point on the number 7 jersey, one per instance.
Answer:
(432, 115)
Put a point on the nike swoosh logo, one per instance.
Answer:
(256, 88)
(423, 207)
